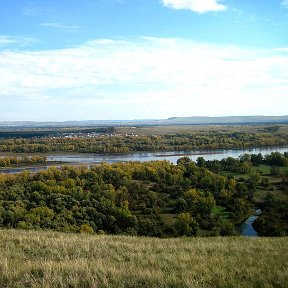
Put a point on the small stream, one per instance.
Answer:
(246, 228)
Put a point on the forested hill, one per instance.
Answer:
(227, 120)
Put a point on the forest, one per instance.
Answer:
(125, 140)
(19, 161)
(156, 198)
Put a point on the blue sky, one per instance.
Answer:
(131, 59)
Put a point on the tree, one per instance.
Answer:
(275, 170)
(200, 162)
(253, 180)
(180, 205)
(256, 159)
(86, 228)
(186, 225)
(199, 202)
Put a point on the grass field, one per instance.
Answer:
(51, 259)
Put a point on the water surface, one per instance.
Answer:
(170, 156)
(246, 228)
(89, 159)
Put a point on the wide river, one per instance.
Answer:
(89, 159)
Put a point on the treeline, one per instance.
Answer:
(27, 160)
(131, 143)
(274, 219)
(245, 162)
(44, 132)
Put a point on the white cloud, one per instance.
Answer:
(199, 6)
(60, 26)
(282, 49)
(7, 40)
(143, 78)
(285, 3)
(31, 11)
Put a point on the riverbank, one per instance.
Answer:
(172, 156)
(36, 168)
(126, 140)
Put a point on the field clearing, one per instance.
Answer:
(260, 195)
(175, 129)
(52, 259)
(266, 169)
(221, 212)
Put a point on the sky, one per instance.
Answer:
(142, 59)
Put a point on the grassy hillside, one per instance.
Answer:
(51, 259)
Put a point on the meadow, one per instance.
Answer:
(54, 259)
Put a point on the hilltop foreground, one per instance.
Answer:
(53, 259)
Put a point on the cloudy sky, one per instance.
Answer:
(135, 59)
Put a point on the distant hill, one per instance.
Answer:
(227, 120)
(193, 120)
(14, 125)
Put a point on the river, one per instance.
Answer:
(89, 159)
(170, 156)
(246, 228)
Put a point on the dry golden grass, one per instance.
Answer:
(51, 259)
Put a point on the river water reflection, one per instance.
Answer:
(170, 156)
(89, 159)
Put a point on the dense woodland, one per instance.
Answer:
(18, 161)
(121, 143)
(153, 198)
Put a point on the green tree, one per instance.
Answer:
(186, 225)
